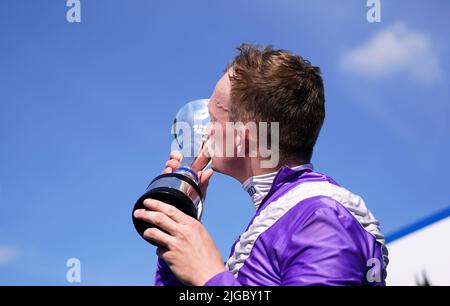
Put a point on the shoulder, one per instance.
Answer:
(318, 205)
(305, 199)
(319, 211)
(309, 199)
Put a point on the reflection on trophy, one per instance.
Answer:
(180, 188)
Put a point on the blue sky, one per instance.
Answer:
(85, 113)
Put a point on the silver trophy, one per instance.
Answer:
(181, 187)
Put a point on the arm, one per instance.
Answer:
(320, 251)
(186, 246)
(164, 276)
(326, 250)
(224, 278)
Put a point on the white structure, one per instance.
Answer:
(420, 253)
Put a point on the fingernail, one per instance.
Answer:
(149, 203)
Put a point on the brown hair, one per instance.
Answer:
(270, 85)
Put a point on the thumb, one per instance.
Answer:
(204, 177)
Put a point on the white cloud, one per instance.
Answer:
(7, 254)
(392, 51)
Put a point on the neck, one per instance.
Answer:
(251, 167)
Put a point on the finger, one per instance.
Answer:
(205, 177)
(176, 155)
(200, 162)
(167, 170)
(202, 158)
(164, 254)
(160, 251)
(158, 236)
(173, 163)
(158, 219)
(170, 211)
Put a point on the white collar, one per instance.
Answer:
(258, 186)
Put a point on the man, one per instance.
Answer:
(307, 229)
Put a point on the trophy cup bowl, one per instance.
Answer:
(180, 188)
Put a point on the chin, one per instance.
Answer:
(217, 167)
(226, 166)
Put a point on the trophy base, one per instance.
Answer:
(183, 193)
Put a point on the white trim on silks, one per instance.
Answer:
(275, 210)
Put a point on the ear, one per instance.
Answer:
(240, 141)
(246, 141)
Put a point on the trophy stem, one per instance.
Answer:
(187, 171)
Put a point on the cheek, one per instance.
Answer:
(216, 136)
(221, 143)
